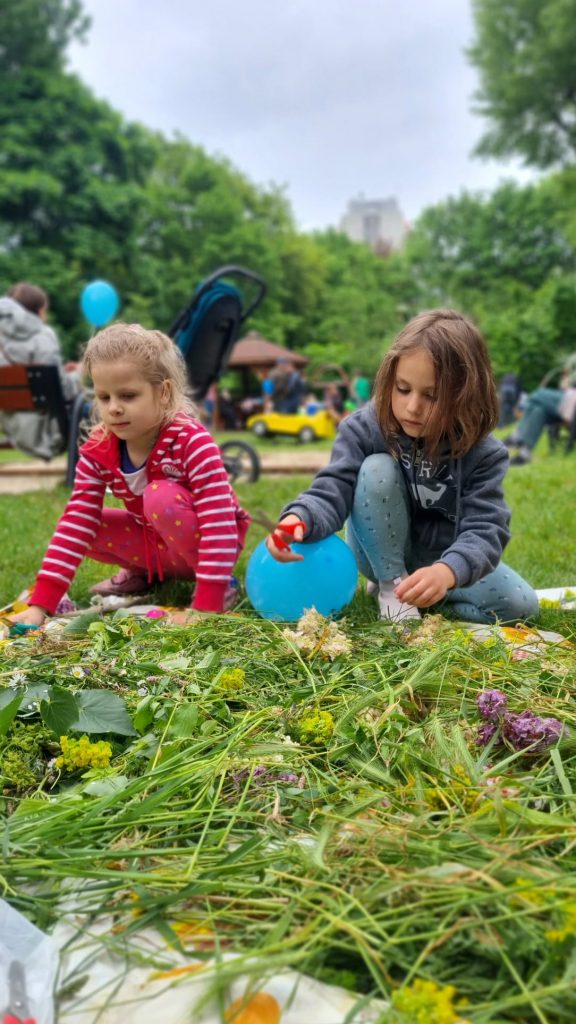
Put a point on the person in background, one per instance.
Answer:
(26, 338)
(360, 388)
(311, 405)
(508, 397)
(209, 406)
(267, 394)
(181, 518)
(333, 402)
(226, 411)
(543, 406)
(417, 477)
(289, 387)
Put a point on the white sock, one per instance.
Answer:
(390, 607)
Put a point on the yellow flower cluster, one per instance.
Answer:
(569, 924)
(315, 727)
(546, 898)
(232, 681)
(425, 1002)
(83, 754)
(456, 792)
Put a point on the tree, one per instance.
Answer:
(71, 189)
(524, 51)
(477, 251)
(36, 33)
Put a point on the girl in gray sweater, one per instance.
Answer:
(417, 478)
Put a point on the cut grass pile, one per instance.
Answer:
(338, 815)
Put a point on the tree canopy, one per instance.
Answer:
(84, 193)
(524, 51)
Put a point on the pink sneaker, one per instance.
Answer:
(127, 581)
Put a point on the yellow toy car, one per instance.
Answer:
(305, 427)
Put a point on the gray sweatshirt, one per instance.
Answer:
(25, 339)
(458, 508)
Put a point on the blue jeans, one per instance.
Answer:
(378, 532)
(541, 408)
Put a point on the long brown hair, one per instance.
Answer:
(466, 406)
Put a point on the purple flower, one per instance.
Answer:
(529, 730)
(492, 704)
(485, 734)
(258, 776)
(287, 777)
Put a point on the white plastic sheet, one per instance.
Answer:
(21, 941)
(112, 988)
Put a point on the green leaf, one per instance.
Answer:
(184, 721)
(102, 711)
(210, 659)
(78, 626)
(144, 714)
(34, 693)
(7, 695)
(60, 711)
(9, 710)
(106, 787)
(175, 663)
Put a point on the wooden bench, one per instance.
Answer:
(37, 388)
(34, 388)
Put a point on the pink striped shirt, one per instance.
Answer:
(187, 454)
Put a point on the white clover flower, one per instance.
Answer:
(17, 678)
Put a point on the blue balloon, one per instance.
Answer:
(99, 302)
(325, 580)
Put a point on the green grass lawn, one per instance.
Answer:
(542, 497)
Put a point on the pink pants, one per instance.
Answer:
(168, 508)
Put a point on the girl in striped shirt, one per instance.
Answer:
(180, 519)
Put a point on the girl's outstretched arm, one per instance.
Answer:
(34, 615)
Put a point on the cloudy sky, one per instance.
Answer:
(328, 98)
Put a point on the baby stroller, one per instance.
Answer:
(205, 331)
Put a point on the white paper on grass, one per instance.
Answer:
(119, 990)
(20, 940)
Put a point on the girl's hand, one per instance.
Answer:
(426, 586)
(32, 616)
(287, 555)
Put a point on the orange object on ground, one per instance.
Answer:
(260, 1008)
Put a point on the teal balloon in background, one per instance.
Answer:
(99, 302)
(325, 580)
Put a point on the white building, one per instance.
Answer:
(379, 223)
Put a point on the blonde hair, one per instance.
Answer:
(466, 406)
(153, 353)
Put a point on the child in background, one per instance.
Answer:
(181, 517)
(419, 481)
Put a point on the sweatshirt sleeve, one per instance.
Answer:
(327, 503)
(483, 520)
(217, 509)
(76, 529)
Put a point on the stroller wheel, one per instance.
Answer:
(241, 461)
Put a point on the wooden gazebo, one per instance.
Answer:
(255, 354)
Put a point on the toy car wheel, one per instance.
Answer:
(259, 428)
(306, 435)
(241, 461)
